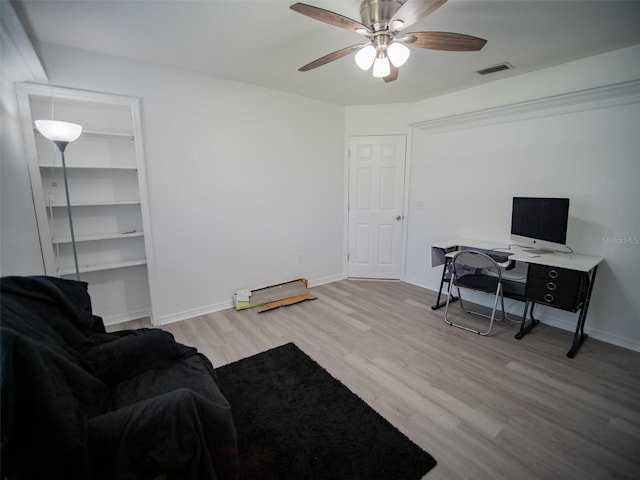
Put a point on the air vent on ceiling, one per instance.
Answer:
(495, 68)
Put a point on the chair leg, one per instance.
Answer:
(495, 306)
(491, 317)
(462, 303)
(446, 312)
(446, 305)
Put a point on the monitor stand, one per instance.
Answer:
(537, 251)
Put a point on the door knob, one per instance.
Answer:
(399, 217)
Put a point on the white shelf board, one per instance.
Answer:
(94, 237)
(91, 167)
(96, 133)
(103, 266)
(95, 204)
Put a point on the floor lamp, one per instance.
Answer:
(63, 133)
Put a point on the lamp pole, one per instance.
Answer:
(62, 145)
(62, 133)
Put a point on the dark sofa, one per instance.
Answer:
(78, 402)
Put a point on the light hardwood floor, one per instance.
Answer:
(484, 407)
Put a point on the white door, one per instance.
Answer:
(376, 214)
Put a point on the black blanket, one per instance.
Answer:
(78, 402)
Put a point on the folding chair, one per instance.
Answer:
(475, 271)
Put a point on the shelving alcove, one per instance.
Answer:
(108, 193)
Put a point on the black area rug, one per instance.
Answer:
(295, 421)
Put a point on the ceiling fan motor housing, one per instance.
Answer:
(377, 13)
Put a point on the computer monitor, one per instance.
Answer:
(540, 223)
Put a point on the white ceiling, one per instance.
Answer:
(263, 42)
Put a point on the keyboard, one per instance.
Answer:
(499, 257)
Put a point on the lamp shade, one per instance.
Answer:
(398, 53)
(365, 57)
(57, 131)
(381, 66)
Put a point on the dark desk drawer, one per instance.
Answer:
(563, 295)
(537, 285)
(557, 287)
(571, 304)
(554, 273)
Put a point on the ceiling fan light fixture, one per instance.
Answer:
(365, 57)
(382, 22)
(398, 53)
(381, 66)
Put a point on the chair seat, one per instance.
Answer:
(510, 288)
(486, 283)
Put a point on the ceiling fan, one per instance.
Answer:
(382, 22)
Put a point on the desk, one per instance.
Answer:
(559, 280)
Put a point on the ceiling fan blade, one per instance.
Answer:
(331, 18)
(393, 75)
(414, 10)
(343, 52)
(452, 42)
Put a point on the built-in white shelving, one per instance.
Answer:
(108, 196)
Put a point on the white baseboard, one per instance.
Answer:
(419, 283)
(217, 307)
(607, 337)
(548, 319)
(324, 280)
(126, 317)
(194, 312)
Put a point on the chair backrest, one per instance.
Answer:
(472, 261)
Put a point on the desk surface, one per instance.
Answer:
(572, 261)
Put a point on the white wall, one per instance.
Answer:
(238, 193)
(19, 246)
(242, 180)
(590, 155)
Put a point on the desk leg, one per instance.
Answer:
(579, 336)
(524, 327)
(444, 279)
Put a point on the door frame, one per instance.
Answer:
(405, 201)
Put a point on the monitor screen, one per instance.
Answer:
(535, 221)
